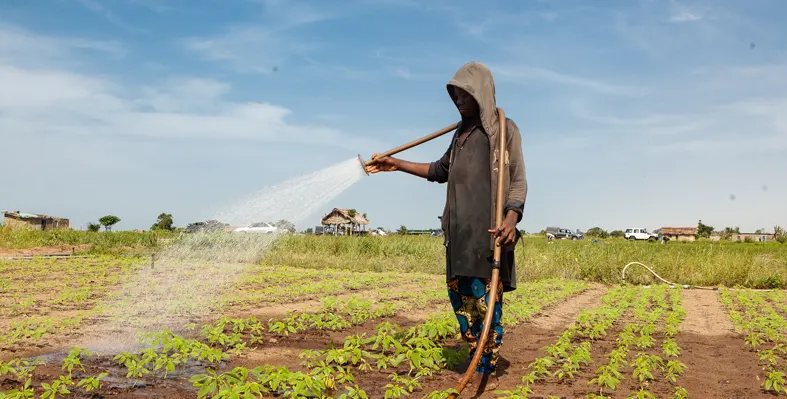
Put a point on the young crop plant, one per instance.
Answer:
(774, 382)
(763, 326)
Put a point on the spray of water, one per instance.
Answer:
(194, 276)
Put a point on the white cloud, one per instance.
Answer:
(260, 47)
(684, 16)
(249, 48)
(531, 73)
(42, 100)
(159, 6)
(680, 12)
(98, 8)
(19, 47)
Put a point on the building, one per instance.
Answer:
(33, 221)
(344, 221)
(756, 237)
(679, 233)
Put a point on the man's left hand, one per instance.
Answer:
(506, 232)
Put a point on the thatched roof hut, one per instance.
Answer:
(679, 233)
(340, 216)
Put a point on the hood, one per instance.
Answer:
(476, 79)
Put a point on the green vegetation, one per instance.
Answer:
(757, 265)
(635, 319)
(100, 242)
(109, 221)
(760, 317)
(164, 222)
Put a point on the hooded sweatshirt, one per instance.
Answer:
(471, 169)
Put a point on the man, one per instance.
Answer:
(470, 167)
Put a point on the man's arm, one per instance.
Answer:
(435, 171)
(413, 168)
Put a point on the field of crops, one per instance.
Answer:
(302, 323)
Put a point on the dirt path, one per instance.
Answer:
(523, 343)
(719, 365)
(40, 251)
(705, 315)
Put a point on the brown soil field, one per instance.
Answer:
(718, 363)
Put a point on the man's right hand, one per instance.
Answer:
(382, 164)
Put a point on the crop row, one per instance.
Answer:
(752, 313)
(96, 276)
(647, 310)
(406, 355)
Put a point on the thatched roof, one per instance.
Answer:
(342, 216)
(678, 231)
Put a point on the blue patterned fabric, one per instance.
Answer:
(469, 296)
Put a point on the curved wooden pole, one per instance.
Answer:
(409, 145)
(490, 306)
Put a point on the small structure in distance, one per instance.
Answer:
(34, 221)
(344, 221)
(679, 233)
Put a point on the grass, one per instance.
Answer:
(757, 265)
(100, 242)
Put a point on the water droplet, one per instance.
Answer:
(732, 197)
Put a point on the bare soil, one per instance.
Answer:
(42, 251)
(719, 365)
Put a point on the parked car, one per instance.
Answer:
(640, 234)
(563, 234)
(378, 232)
(265, 228)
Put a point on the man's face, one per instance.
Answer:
(466, 104)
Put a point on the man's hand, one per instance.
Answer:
(383, 164)
(506, 232)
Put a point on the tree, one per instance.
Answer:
(285, 225)
(94, 227)
(352, 213)
(309, 231)
(703, 230)
(728, 232)
(109, 221)
(402, 230)
(163, 222)
(779, 234)
(209, 226)
(759, 231)
(597, 232)
(617, 234)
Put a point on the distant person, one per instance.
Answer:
(469, 166)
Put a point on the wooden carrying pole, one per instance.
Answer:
(409, 145)
(490, 306)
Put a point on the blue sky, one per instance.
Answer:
(633, 113)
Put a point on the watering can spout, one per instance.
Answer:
(363, 165)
